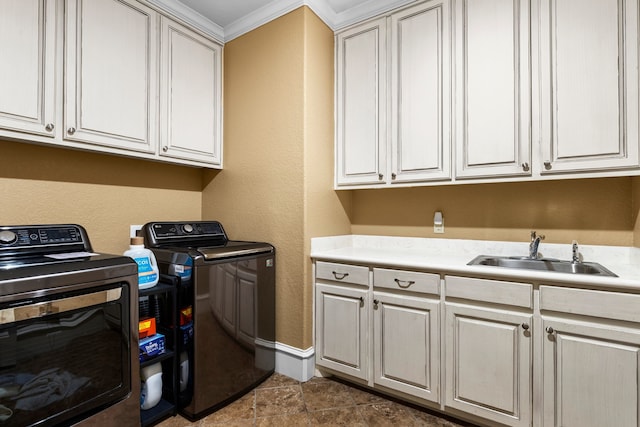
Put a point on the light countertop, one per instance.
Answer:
(450, 256)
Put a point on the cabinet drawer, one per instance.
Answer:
(345, 273)
(609, 305)
(406, 280)
(492, 291)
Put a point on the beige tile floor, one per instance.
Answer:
(281, 401)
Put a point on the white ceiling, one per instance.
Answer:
(227, 19)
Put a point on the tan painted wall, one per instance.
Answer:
(105, 194)
(276, 185)
(326, 211)
(635, 211)
(593, 211)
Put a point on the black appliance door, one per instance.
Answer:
(65, 357)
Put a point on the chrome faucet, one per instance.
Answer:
(575, 258)
(533, 246)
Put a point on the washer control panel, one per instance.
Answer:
(38, 238)
(157, 233)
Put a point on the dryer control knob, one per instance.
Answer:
(188, 228)
(8, 237)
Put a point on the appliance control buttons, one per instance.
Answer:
(188, 228)
(8, 237)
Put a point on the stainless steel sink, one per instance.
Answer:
(543, 264)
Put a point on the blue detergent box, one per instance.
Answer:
(151, 346)
(186, 333)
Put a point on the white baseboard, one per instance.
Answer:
(295, 363)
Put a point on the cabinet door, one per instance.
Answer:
(361, 140)
(590, 374)
(420, 93)
(341, 330)
(27, 74)
(488, 363)
(407, 345)
(111, 74)
(588, 84)
(493, 102)
(190, 95)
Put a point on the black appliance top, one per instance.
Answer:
(206, 238)
(37, 257)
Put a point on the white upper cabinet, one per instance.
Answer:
(190, 95)
(493, 102)
(111, 74)
(27, 76)
(588, 85)
(393, 98)
(420, 93)
(361, 139)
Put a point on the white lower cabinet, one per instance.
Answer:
(488, 363)
(488, 349)
(466, 346)
(590, 374)
(406, 344)
(341, 330)
(591, 365)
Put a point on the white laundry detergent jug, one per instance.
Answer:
(151, 391)
(147, 266)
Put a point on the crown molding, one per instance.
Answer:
(274, 10)
(365, 11)
(191, 17)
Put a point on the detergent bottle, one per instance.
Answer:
(147, 266)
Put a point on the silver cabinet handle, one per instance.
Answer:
(380, 177)
(393, 176)
(525, 167)
(339, 276)
(525, 326)
(165, 148)
(71, 130)
(375, 303)
(549, 330)
(547, 165)
(49, 127)
(404, 283)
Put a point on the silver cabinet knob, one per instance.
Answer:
(71, 130)
(375, 303)
(165, 148)
(549, 330)
(393, 176)
(49, 127)
(380, 177)
(525, 326)
(547, 165)
(525, 167)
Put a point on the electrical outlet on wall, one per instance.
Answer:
(438, 223)
(134, 230)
